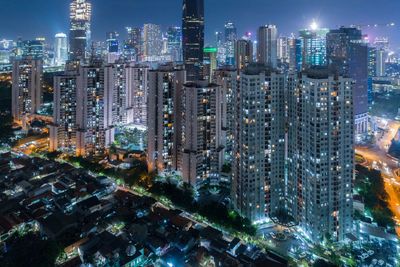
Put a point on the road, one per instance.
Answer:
(377, 157)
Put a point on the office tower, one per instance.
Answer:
(60, 49)
(115, 80)
(112, 42)
(243, 53)
(267, 45)
(347, 55)
(79, 31)
(174, 43)
(381, 62)
(219, 39)
(283, 49)
(164, 118)
(381, 43)
(371, 71)
(6, 47)
(152, 40)
(94, 117)
(230, 38)
(193, 38)
(134, 44)
(292, 53)
(26, 88)
(226, 78)
(311, 48)
(33, 49)
(259, 143)
(320, 153)
(137, 82)
(201, 133)
(210, 62)
(64, 130)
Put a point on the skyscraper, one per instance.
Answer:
(348, 55)
(174, 43)
(164, 113)
(112, 42)
(267, 45)
(26, 88)
(33, 49)
(283, 48)
(259, 143)
(133, 47)
(311, 48)
(230, 38)
(60, 49)
(320, 158)
(381, 62)
(137, 82)
(152, 39)
(79, 32)
(193, 38)
(210, 62)
(243, 53)
(201, 122)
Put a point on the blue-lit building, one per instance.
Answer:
(347, 55)
(112, 42)
(33, 48)
(311, 49)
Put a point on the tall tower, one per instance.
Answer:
(26, 88)
(320, 158)
(201, 124)
(267, 45)
(230, 38)
(347, 55)
(243, 53)
(60, 49)
(79, 32)
(164, 113)
(193, 38)
(152, 40)
(311, 49)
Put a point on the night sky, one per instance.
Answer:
(33, 18)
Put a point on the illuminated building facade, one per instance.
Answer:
(112, 42)
(201, 131)
(79, 32)
(320, 159)
(347, 55)
(174, 43)
(210, 63)
(193, 38)
(230, 39)
(311, 49)
(26, 88)
(164, 113)
(60, 49)
(137, 82)
(267, 45)
(258, 167)
(33, 49)
(152, 40)
(243, 53)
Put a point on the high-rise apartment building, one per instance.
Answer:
(79, 32)
(243, 53)
(201, 133)
(133, 47)
(267, 45)
(258, 165)
(152, 40)
(348, 56)
(193, 38)
(26, 88)
(320, 159)
(63, 132)
(137, 82)
(60, 49)
(164, 111)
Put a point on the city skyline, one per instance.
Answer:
(332, 14)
